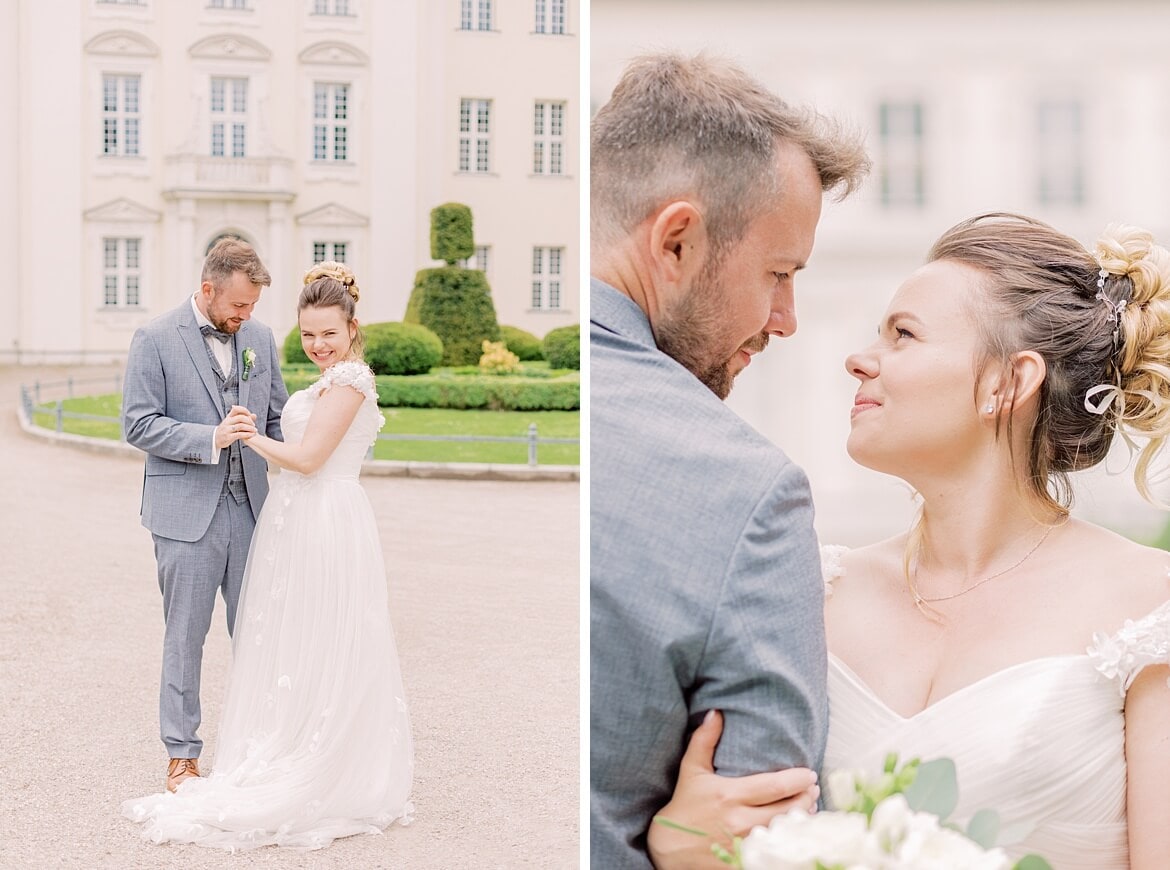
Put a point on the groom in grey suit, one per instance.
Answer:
(706, 590)
(198, 379)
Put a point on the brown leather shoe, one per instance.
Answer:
(180, 769)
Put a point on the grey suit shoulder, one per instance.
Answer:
(705, 585)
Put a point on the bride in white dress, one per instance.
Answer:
(315, 740)
(1029, 647)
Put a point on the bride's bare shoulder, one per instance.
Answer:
(875, 558)
(1130, 579)
(864, 569)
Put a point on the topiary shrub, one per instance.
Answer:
(524, 344)
(293, 351)
(401, 348)
(451, 235)
(456, 305)
(452, 302)
(562, 347)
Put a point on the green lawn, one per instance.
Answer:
(406, 421)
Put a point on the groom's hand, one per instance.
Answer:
(239, 423)
(721, 806)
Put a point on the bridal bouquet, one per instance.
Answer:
(896, 822)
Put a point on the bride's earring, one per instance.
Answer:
(989, 408)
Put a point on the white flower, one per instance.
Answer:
(944, 849)
(249, 362)
(797, 841)
(842, 787)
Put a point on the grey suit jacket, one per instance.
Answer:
(171, 405)
(705, 584)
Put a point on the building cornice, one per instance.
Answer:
(229, 46)
(122, 210)
(332, 214)
(334, 54)
(124, 43)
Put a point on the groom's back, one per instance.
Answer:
(705, 586)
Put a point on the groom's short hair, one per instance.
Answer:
(701, 128)
(230, 255)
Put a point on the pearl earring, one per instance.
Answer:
(989, 408)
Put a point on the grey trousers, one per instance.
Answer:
(189, 575)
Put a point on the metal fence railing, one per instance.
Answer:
(33, 402)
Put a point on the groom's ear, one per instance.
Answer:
(679, 245)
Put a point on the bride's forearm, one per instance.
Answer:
(293, 457)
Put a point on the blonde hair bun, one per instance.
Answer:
(339, 272)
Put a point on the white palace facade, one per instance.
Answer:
(140, 131)
(1059, 110)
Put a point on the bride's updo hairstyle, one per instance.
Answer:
(331, 284)
(1100, 320)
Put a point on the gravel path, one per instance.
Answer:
(484, 596)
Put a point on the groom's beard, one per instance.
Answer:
(686, 334)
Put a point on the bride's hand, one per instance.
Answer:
(722, 806)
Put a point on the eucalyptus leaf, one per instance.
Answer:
(1032, 862)
(984, 828)
(935, 789)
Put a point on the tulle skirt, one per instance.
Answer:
(315, 740)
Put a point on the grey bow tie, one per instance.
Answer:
(207, 329)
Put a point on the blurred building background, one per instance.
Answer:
(140, 131)
(1059, 110)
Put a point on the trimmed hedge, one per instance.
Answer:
(401, 348)
(562, 347)
(522, 343)
(497, 393)
(446, 390)
(293, 351)
(451, 234)
(456, 305)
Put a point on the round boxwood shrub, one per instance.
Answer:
(524, 344)
(562, 347)
(294, 352)
(401, 348)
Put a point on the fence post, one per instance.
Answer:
(37, 392)
(69, 386)
(60, 416)
(532, 444)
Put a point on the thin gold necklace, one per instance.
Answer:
(920, 599)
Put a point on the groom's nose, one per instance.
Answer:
(782, 318)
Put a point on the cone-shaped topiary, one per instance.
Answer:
(451, 236)
(453, 302)
(456, 305)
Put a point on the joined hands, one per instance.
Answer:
(238, 425)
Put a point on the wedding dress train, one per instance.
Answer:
(1041, 742)
(315, 740)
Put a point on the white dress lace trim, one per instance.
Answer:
(1139, 643)
(831, 567)
(348, 373)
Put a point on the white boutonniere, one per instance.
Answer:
(249, 362)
